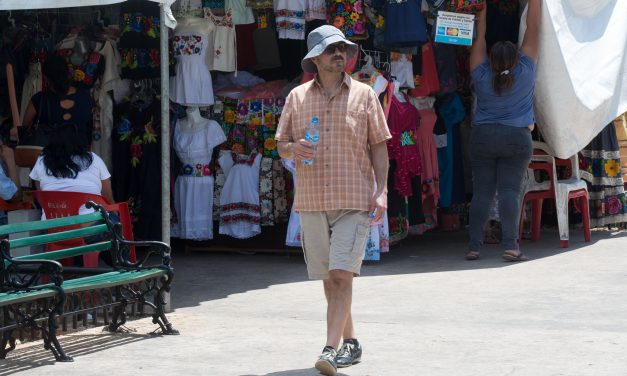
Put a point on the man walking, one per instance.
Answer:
(335, 195)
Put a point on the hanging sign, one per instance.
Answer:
(454, 28)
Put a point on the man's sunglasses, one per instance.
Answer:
(336, 46)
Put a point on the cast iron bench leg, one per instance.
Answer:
(159, 316)
(50, 333)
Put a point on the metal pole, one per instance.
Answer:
(165, 135)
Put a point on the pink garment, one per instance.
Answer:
(404, 121)
(266, 90)
(429, 156)
(430, 171)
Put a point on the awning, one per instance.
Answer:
(52, 4)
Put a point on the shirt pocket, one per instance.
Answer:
(357, 123)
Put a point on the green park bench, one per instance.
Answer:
(35, 291)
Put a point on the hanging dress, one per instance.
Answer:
(429, 158)
(599, 166)
(292, 238)
(193, 189)
(224, 47)
(192, 84)
(378, 240)
(240, 211)
(290, 18)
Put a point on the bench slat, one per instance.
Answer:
(7, 298)
(110, 279)
(50, 223)
(85, 283)
(58, 236)
(69, 252)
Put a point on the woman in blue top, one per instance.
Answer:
(501, 147)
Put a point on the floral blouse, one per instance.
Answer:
(349, 17)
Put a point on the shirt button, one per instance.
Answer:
(326, 148)
(327, 129)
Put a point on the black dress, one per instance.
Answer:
(136, 162)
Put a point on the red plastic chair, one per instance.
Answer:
(537, 199)
(56, 204)
(10, 206)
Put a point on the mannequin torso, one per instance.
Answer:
(194, 121)
(194, 25)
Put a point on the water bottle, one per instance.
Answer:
(312, 134)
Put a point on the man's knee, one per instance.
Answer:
(340, 278)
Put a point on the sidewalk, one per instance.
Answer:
(423, 310)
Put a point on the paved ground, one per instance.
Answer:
(423, 310)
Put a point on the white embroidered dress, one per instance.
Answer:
(193, 189)
(192, 85)
(240, 209)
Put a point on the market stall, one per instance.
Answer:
(192, 111)
(166, 15)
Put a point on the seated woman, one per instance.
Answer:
(9, 181)
(65, 165)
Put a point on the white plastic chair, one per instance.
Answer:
(576, 189)
(565, 190)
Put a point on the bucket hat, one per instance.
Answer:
(321, 38)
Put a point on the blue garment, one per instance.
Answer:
(513, 107)
(451, 112)
(7, 187)
(404, 24)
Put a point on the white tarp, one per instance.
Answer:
(51, 4)
(581, 82)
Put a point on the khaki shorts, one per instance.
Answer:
(334, 239)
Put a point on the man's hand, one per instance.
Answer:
(378, 206)
(302, 150)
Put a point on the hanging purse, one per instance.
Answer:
(38, 134)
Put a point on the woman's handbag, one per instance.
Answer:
(38, 134)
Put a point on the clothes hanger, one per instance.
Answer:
(368, 68)
(99, 20)
(11, 19)
(397, 92)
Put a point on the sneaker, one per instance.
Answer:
(326, 362)
(350, 353)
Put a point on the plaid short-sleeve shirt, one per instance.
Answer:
(342, 176)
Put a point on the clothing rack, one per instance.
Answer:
(380, 59)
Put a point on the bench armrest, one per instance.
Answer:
(122, 246)
(25, 274)
(154, 247)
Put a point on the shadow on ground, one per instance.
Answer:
(35, 356)
(205, 276)
(296, 372)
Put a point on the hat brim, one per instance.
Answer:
(309, 67)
